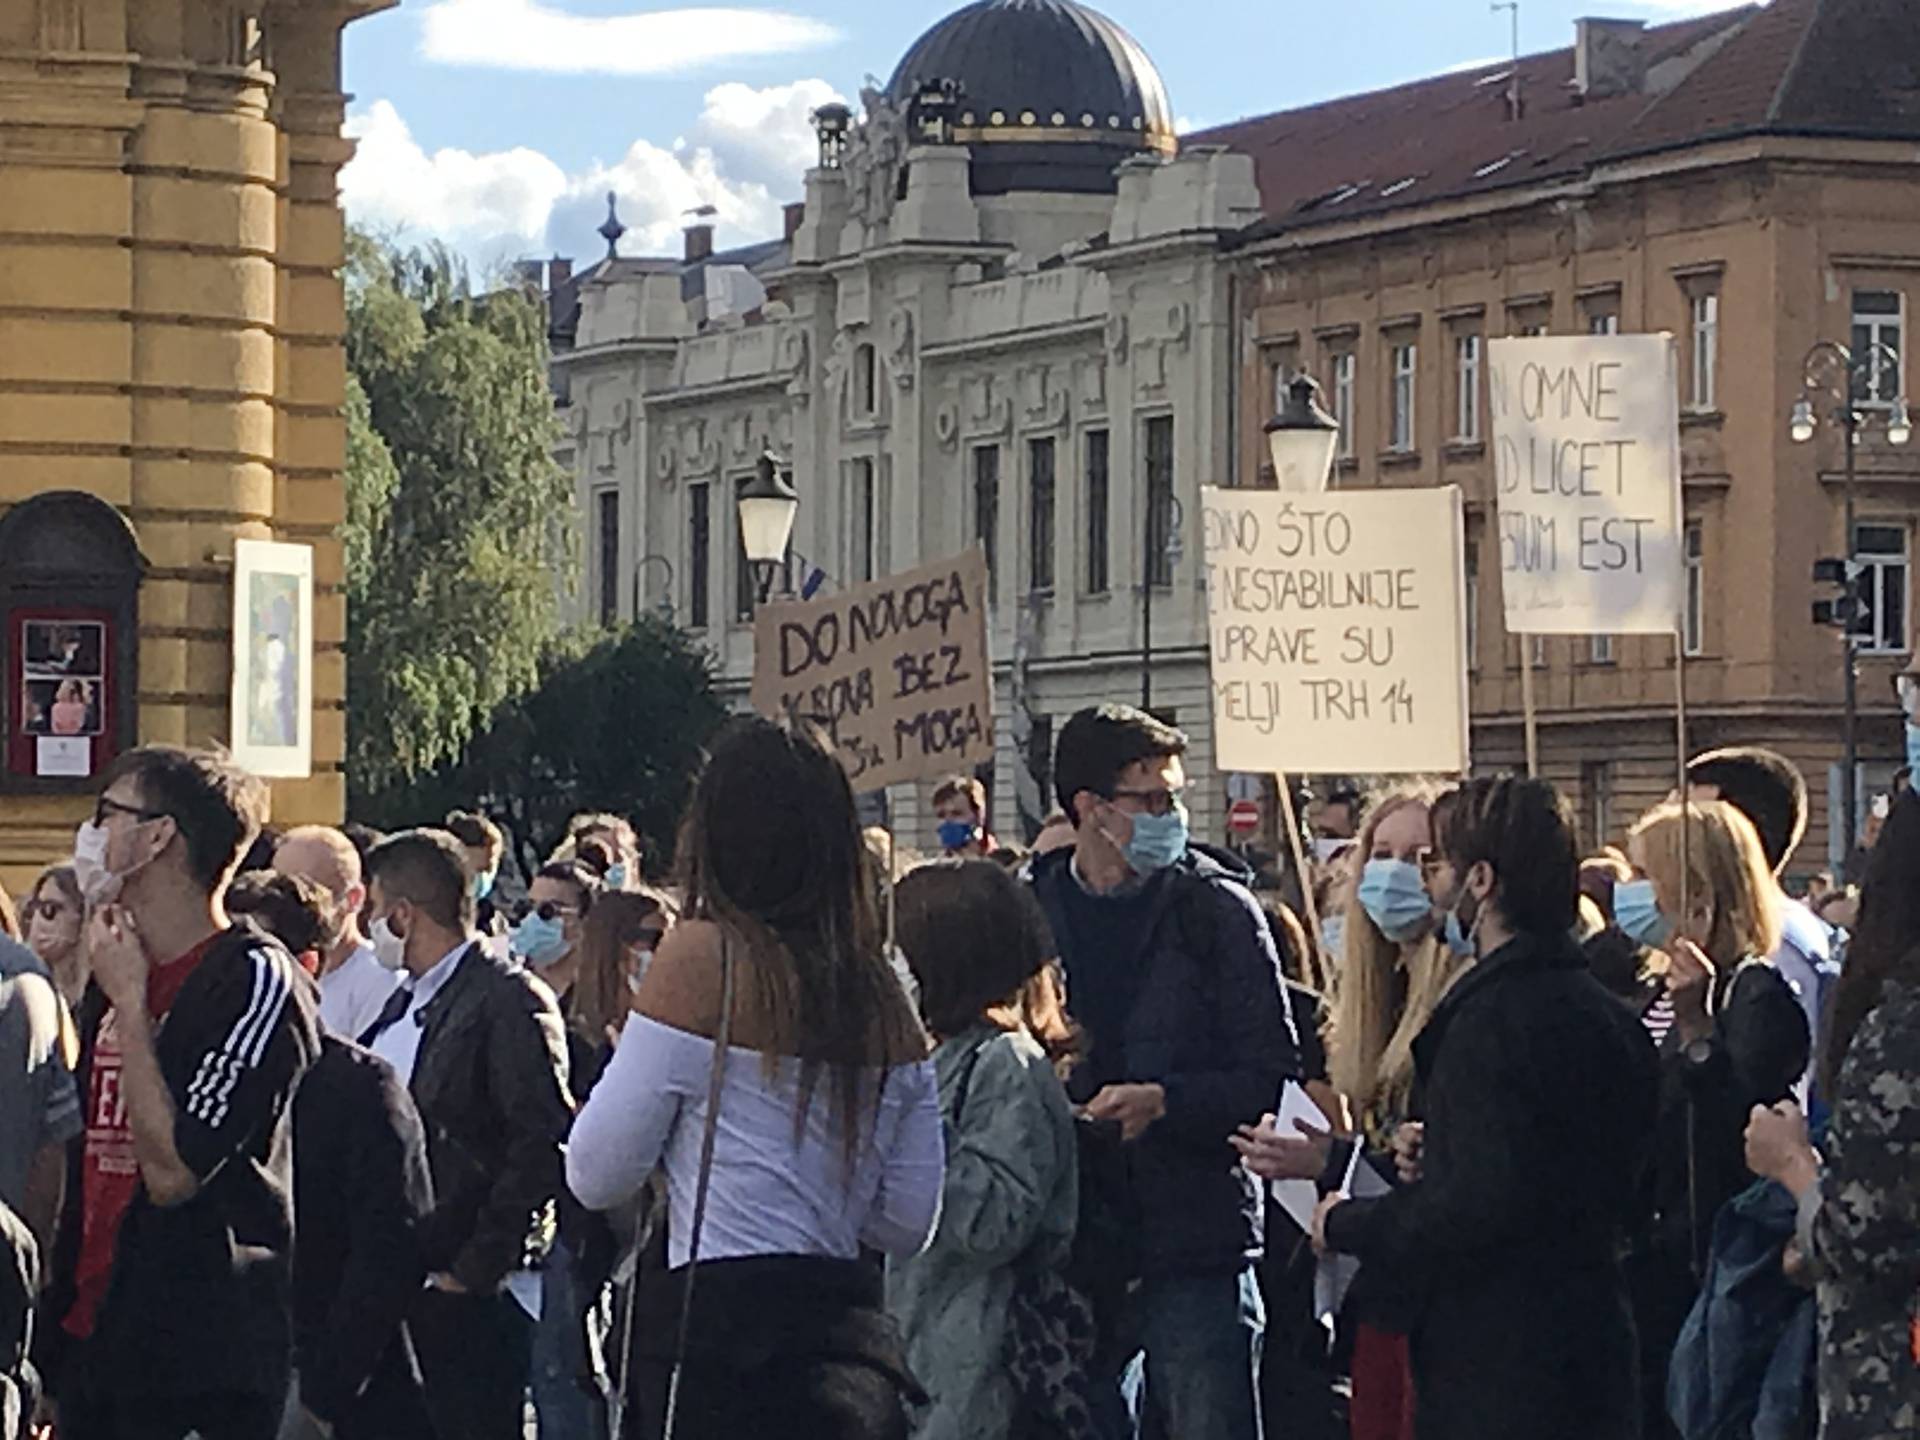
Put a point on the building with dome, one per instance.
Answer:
(1002, 315)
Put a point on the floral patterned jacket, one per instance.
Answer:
(1862, 1226)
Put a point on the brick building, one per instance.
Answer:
(1746, 181)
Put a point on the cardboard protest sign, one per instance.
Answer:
(1338, 630)
(897, 671)
(1586, 434)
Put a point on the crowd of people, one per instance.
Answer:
(319, 1133)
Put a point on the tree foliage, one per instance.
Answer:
(459, 523)
(615, 723)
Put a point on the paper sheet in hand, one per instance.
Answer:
(1299, 1198)
(1334, 1276)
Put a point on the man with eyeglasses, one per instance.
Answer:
(1173, 976)
(480, 1044)
(173, 1269)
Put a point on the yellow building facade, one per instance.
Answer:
(172, 333)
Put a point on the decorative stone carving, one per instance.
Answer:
(615, 437)
(793, 362)
(900, 347)
(1042, 402)
(665, 460)
(699, 447)
(1179, 322)
(1117, 337)
(986, 411)
(1093, 384)
(1150, 367)
(875, 153)
(839, 361)
(740, 433)
(946, 425)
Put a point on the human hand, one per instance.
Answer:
(1319, 1232)
(1409, 1147)
(118, 957)
(1778, 1147)
(444, 1282)
(1689, 980)
(1135, 1106)
(1273, 1156)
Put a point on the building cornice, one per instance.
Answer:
(718, 390)
(581, 356)
(1013, 339)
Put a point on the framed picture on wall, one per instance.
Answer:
(273, 658)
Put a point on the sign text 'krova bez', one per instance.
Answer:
(1334, 627)
(1586, 459)
(896, 671)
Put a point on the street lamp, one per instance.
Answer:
(1159, 547)
(1302, 439)
(768, 504)
(1835, 373)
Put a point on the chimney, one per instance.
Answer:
(559, 274)
(1608, 59)
(796, 216)
(699, 242)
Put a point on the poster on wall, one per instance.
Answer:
(273, 658)
(60, 706)
(1586, 435)
(1337, 631)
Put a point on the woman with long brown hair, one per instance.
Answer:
(773, 1068)
(1860, 1194)
(51, 924)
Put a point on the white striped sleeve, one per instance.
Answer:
(243, 1078)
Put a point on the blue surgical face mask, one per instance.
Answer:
(1637, 912)
(483, 885)
(617, 875)
(1333, 937)
(1458, 940)
(540, 942)
(957, 834)
(1395, 899)
(1158, 841)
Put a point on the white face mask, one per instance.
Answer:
(388, 948)
(641, 960)
(98, 884)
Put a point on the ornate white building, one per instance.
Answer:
(1000, 315)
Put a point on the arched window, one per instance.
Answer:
(70, 573)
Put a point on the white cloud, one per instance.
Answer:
(744, 154)
(527, 35)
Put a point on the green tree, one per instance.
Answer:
(459, 536)
(617, 722)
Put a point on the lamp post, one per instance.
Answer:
(768, 504)
(1302, 439)
(1158, 546)
(1835, 372)
(666, 595)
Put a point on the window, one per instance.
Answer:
(1706, 348)
(1880, 549)
(1099, 573)
(699, 552)
(1340, 382)
(1603, 322)
(866, 382)
(1040, 490)
(1879, 320)
(1466, 370)
(607, 520)
(1473, 602)
(864, 508)
(1600, 649)
(1596, 801)
(1693, 634)
(1406, 360)
(1159, 449)
(986, 507)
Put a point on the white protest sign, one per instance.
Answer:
(1586, 434)
(1338, 631)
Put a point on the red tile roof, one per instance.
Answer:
(1795, 66)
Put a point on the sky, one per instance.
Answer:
(499, 126)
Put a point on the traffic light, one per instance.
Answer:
(1848, 607)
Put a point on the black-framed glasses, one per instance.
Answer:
(106, 807)
(1154, 802)
(547, 910)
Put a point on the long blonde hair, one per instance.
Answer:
(1369, 1039)
(1729, 882)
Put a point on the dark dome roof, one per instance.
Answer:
(1062, 87)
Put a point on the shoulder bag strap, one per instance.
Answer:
(703, 1184)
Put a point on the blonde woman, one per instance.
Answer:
(1393, 972)
(1739, 1039)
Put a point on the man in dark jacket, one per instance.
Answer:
(1173, 976)
(1537, 1091)
(480, 1044)
(180, 1245)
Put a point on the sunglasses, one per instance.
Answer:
(546, 910)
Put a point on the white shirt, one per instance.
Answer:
(399, 1043)
(353, 993)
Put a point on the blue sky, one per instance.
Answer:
(499, 125)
